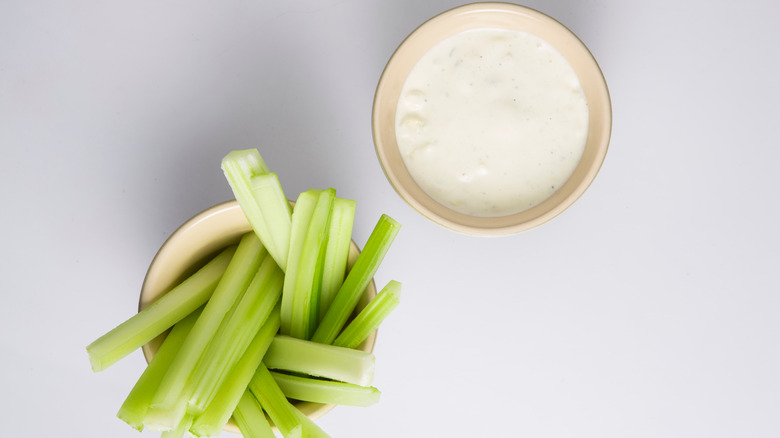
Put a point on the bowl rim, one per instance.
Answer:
(218, 221)
(397, 174)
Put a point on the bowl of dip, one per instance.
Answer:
(192, 245)
(491, 119)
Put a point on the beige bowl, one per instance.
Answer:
(191, 246)
(501, 16)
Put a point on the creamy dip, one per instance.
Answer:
(491, 122)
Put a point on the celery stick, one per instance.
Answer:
(180, 430)
(308, 428)
(248, 161)
(160, 315)
(370, 317)
(268, 194)
(301, 216)
(137, 402)
(273, 401)
(337, 251)
(234, 335)
(295, 432)
(358, 278)
(304, 313)
(320, 360)
(170, 401)
(268, 221)
(286, 417)
(250, 418)
(218, 412)
(326, 391)
(163, 420)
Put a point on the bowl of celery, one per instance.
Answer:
(256, 314)
(206, 237)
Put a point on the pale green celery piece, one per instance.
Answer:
(135, 406)
(240, 168)
(235, 334)
(273, 401)
(337, 251)
(301, 216)
(250, 418)
(295, 432)
(326, 391)
(248, 161)
(163, 420)
(321, 360)
(286, 417)
(308, 283)
(218, 412)
(160, 315)
(358, 278)
(170, 402)
(309, 429)
(371, 316)
(180, 430)
(277, 213)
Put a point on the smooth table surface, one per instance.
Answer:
(648, 309)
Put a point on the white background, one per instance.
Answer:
(651, 308)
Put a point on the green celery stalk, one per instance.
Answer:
(160, 315)
(248, 161)
(358, 278)
(250, 418)
(337, 251)
(218, 412)
(286, 417)
(326, 391)
(277, 213)
(273, 401)
(235, 334)
(320, 360)
(269, 221)
(134, 408)
(301, 216)
(308, 428)
(180, 430)
(370, 317)
(170, 402)
(308, 283)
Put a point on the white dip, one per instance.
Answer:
(491, 122)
